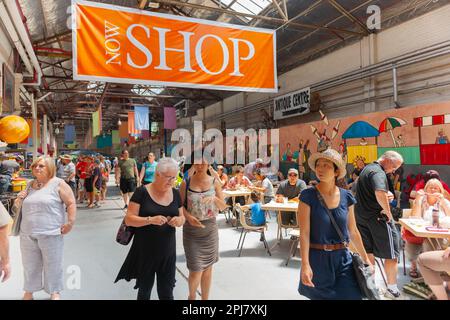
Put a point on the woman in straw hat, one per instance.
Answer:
(327, 271)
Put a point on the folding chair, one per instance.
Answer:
(294, 245)
(246, 229)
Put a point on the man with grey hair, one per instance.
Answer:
(250, 168)
(374, 218)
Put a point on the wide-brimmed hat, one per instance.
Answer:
(333, 156)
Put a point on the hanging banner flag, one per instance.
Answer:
(292, 104)
(141, 118)
(115, 137)
(123, 130)
(170, 118)
(69, 134)
(131, 125)
(95, 124)
(126, 45)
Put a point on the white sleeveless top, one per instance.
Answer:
(427, 210)
(43, 211)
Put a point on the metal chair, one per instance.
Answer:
(294, 245)
(246, 229)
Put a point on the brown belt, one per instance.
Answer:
(328, 247)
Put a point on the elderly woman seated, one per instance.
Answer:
(429, 199)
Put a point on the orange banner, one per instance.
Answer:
(125, 45)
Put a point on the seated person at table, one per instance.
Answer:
(433, 265)
(239, 180)
(426, 200)
(263, 185)
(258, 217)
(222, 176)
(291, 189)
(430, 174)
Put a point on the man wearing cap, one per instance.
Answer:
(374, 218)
(250, 168)
(4, 244)
(66, 171)
(291, 189)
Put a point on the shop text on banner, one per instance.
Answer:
(125, 45)
(292, 104)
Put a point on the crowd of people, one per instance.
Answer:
(160, 197)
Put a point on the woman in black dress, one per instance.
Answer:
(155, 210)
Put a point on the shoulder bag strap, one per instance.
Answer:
(186, 191)
(333, 221)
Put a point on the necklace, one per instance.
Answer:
(39, 185)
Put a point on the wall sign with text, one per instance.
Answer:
(293, 104)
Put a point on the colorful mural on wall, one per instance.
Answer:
(419, 133)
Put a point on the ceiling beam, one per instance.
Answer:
(142, 4)
(351, 17)
(117, 94)
(312, 32)
(252, 16)
(280, 11)
(102, 97)
(53, 39)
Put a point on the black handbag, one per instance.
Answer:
(363, 274)
(125, 233)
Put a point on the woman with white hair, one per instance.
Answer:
(44, 223)
(430, 199)
(155, 211)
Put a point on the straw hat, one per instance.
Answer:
(333, 156)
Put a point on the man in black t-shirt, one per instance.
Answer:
(374, 218)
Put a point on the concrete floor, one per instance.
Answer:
(92, 253)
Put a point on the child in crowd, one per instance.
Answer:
(257, 217)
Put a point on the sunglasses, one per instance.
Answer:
(40, 166)
(292, 175)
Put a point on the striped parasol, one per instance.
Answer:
(389, 124)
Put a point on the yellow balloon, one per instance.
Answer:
(13, 129)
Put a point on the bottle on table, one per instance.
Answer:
(435, 217)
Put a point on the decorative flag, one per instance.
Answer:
(141, 118)
(104, 141)
(131, 125)
(95, 124)
(115, 136)
(170, 118)
(69, 134)
(123, 130)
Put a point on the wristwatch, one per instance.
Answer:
(148, 219)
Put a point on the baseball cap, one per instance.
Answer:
(293, 170)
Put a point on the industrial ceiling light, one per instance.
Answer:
(57, 130)
(119, 123)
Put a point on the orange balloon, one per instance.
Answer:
(13, 129)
